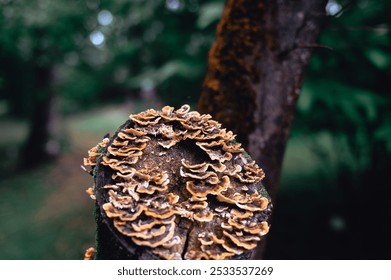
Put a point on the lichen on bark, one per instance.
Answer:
(255, 72)
(232, 72)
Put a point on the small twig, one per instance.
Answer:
(85, 170)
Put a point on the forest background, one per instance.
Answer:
(72, 71)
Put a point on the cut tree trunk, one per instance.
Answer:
(255, 72)
(165, 190)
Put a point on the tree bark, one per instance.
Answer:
(255, 72)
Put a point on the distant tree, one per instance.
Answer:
(61, 56)
(36, 35)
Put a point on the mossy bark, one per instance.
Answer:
(255, 72)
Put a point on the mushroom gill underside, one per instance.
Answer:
(178, 185)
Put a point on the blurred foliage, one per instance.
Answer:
(346, 92)
(105, 50)
(344, 118)
(34, 33)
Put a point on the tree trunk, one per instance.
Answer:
(41, 144)
(255, 72)
(171, 199)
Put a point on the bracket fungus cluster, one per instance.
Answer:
(178, 185)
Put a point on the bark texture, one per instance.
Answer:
(255, 72)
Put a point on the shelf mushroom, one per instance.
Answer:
(179, 185)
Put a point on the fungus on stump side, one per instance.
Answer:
(175, 185)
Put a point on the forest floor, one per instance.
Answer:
(45, 213)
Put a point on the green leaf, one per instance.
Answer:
(383, 133)
(379, 58)
(152, 77)
(209, 13)
(356, 104)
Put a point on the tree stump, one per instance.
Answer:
(175, 185)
